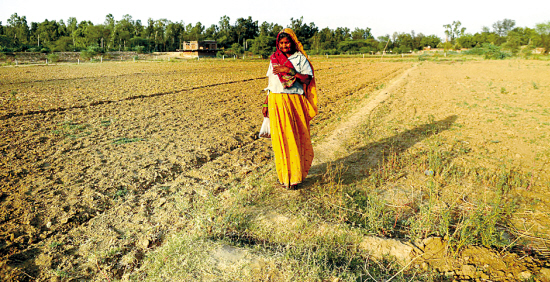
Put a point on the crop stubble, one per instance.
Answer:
(81, 143)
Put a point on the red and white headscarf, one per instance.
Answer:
(278, 58)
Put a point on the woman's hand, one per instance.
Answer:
(303, 78)
(281, 69)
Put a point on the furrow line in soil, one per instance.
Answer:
(88, 77)
(62, 109)
(19, 252)
(115, 76)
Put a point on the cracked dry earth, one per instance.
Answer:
(88, 153)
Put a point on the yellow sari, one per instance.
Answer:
(289, 116)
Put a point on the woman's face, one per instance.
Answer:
(285, 45)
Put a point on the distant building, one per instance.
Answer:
(206, 48)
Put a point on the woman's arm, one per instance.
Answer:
(265, 110)
(303, 78)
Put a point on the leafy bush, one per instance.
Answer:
(477, 50)
(89, 53)
(53, 57)
(139, 49)
(86, 55)
(95, 49)
(237, 48)
(489, 51)
(494, 52)
(527, 51)
(423, 57)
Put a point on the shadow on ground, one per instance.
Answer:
(374, 154)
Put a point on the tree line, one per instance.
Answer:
(246, 35)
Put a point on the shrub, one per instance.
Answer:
(139, 49)
(95, 49)
(477, 50)
(494, 52)
(53, 57)
(489, 51)
(527, 51)
(86, 55)
(423, 57)
(89, 53)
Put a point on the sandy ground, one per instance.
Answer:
(500, 110)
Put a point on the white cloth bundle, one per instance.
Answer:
(265, 131)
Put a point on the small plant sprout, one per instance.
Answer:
(13, 95)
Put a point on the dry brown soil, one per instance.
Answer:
(501, 112)
(88, 153)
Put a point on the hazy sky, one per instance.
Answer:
(383, 17)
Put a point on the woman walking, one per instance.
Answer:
(291, 104)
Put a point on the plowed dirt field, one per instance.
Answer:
(86, 152)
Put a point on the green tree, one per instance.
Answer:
(503, 27)
(72, 26)
(45, 34)
(236, 48)
(159, 34)
(385, 43)
(211, 33)
(108, 36)
(513, 42)
(122, 32)
(360, 33)
(174, 35)
(487, 37)
(269, 29)
(403, 42)
(224, 37)
(543, 30)
(197, 31)
(430, 41)
(263, 45)
(342, 33)
(245, 29)
(64, 43)
(18, 29)
(466, 41)
(303, 31)
(138, 28)
(453, 31)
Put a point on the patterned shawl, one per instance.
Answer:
(310, 90)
